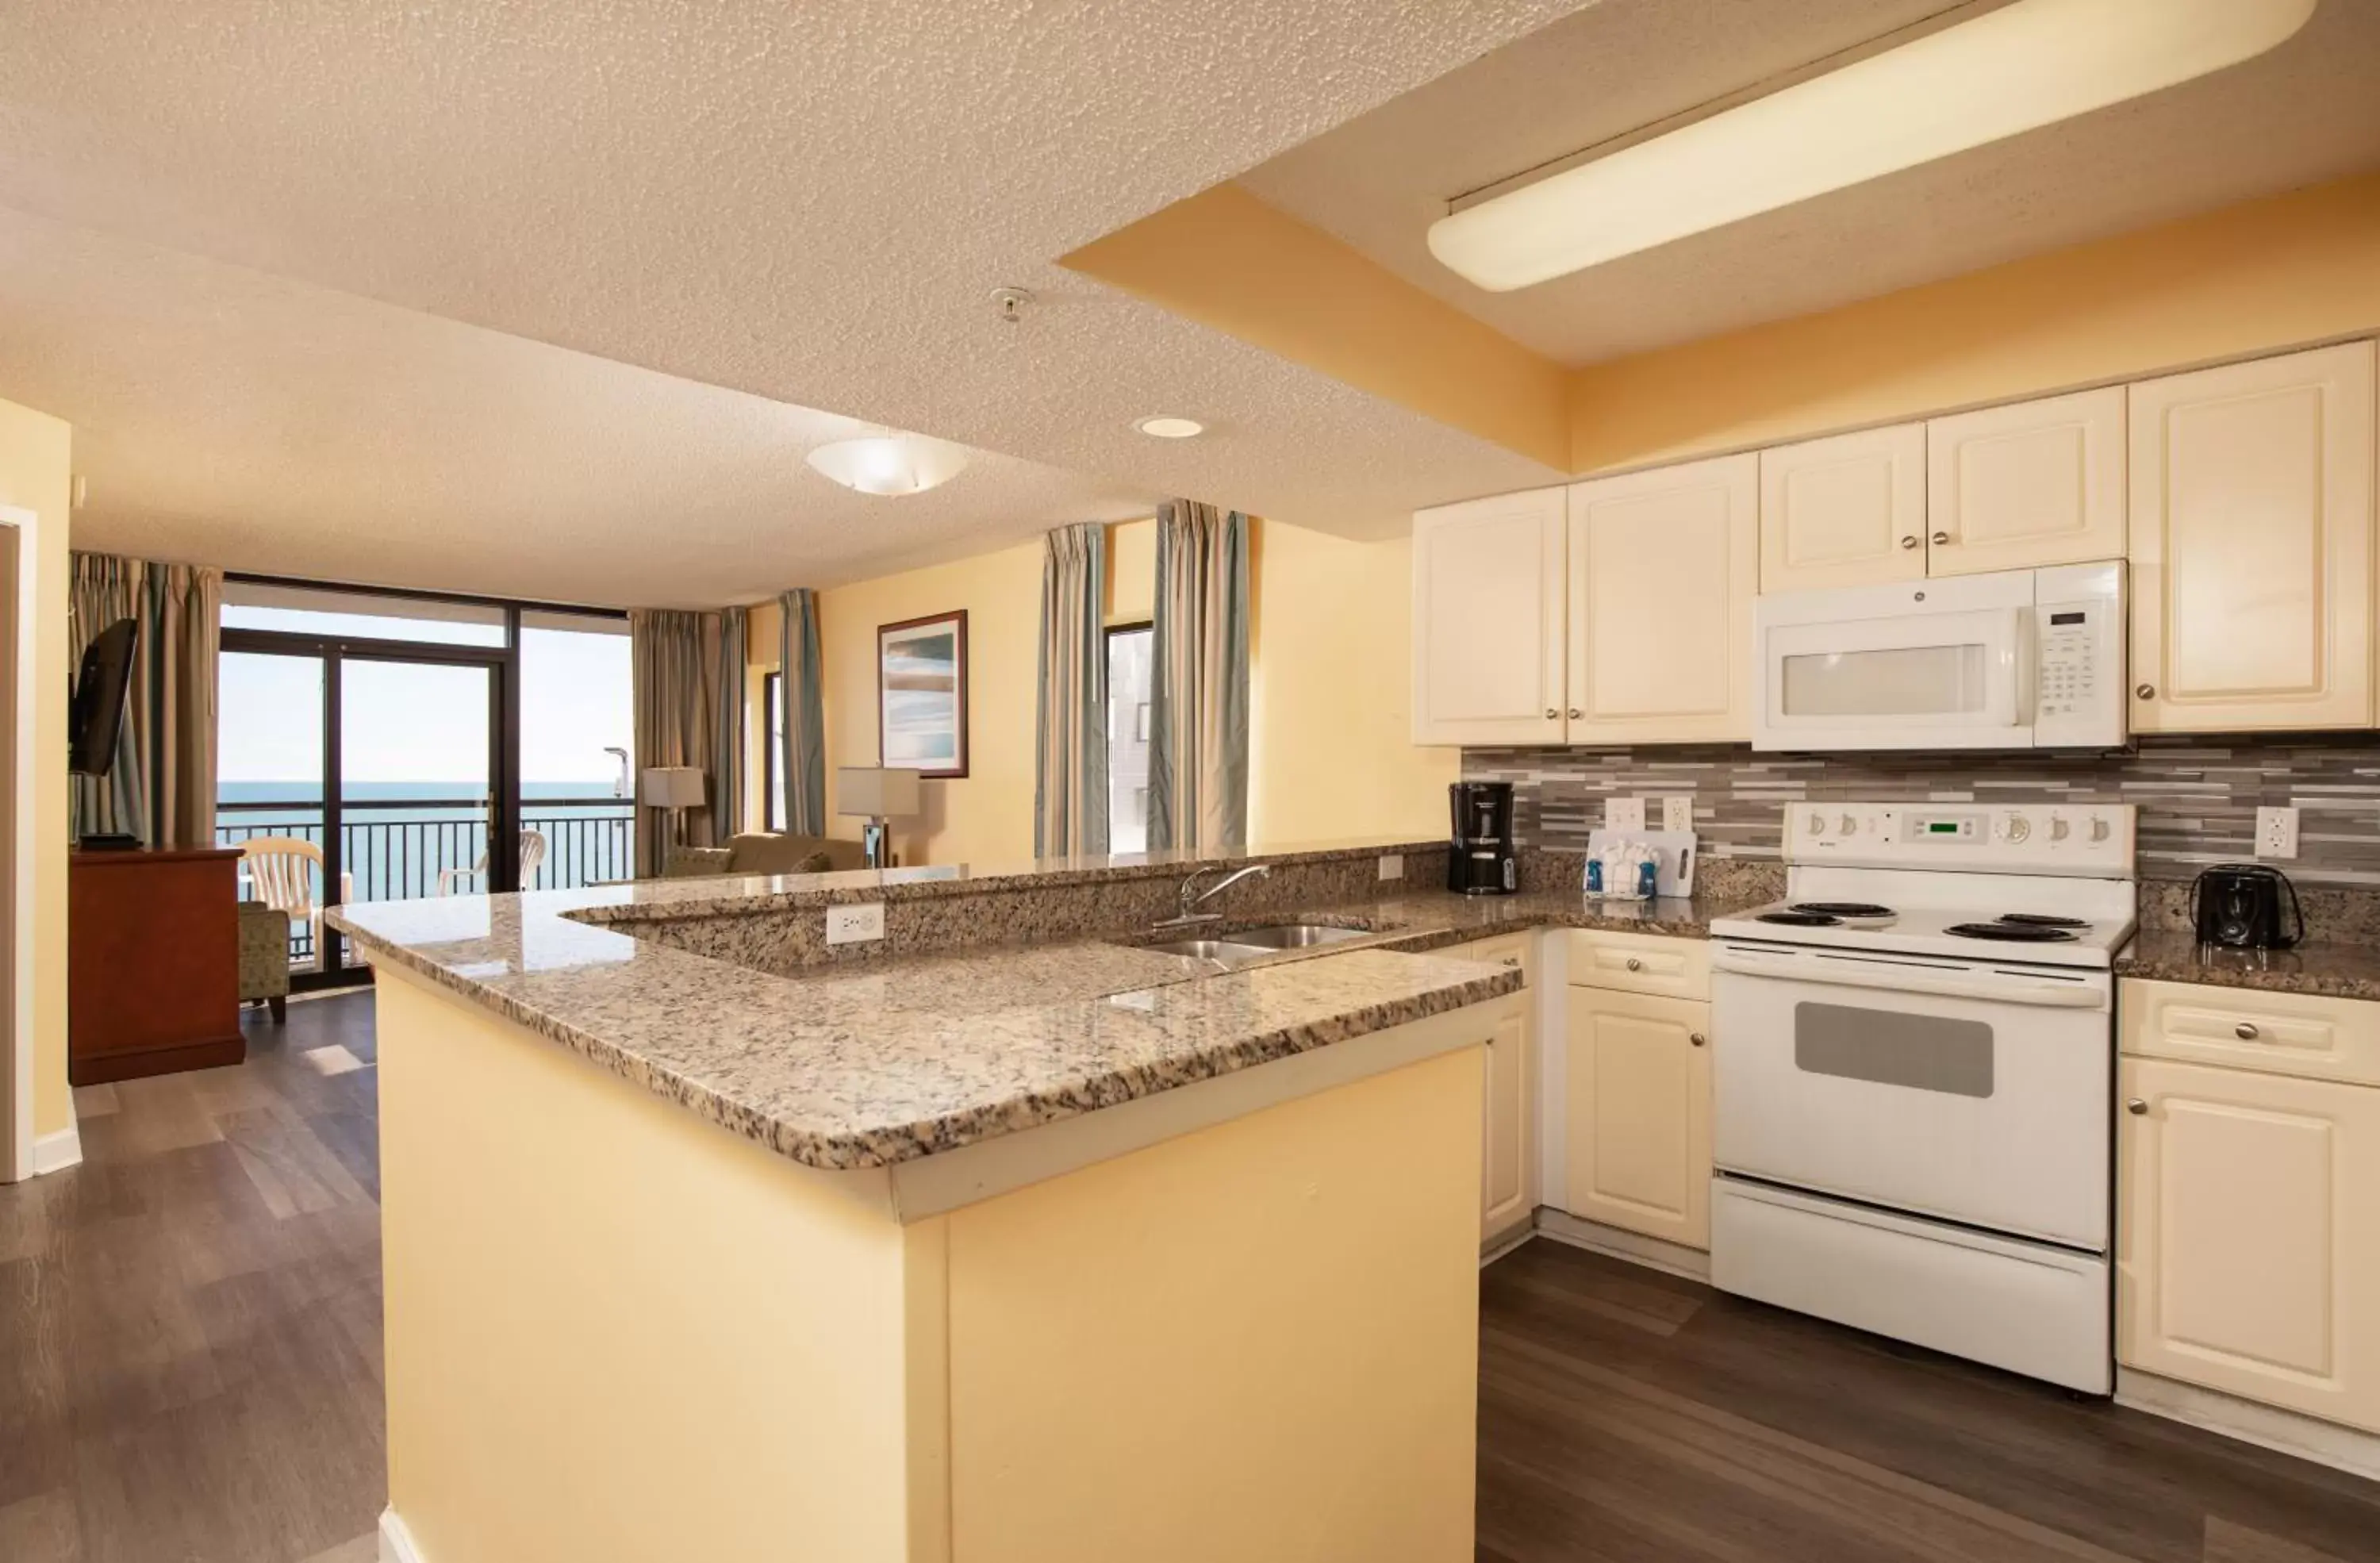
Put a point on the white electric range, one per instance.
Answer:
(1913, 1078)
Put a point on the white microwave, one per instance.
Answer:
(2017, 659)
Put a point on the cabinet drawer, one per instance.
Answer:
(1504, 950)
(2311, 1037)
(1634, 962)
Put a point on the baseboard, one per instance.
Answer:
(2290, 1433)
(395, 1541)
(58, 1150)
(1652, 1252)
(1503, 1243)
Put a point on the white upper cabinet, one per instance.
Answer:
(2251, 529)
(1663, 568)
(2023, 486)
(1487, 621)
(1845, 511)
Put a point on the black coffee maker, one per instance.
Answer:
(1482, 860)
(2239, 904)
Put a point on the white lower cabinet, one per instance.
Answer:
(1636, 1113)
(1507, 1139)
(2248, 1222)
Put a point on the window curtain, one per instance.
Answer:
(162, 788)
(1070, 792)
(1199, 681)
(688, 675)
(802, 760)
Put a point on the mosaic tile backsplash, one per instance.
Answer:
(2198, 798)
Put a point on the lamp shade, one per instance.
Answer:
(874, 791)
(890, 464)
(671, 786)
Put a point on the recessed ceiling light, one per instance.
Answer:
(2004, 72)
(1170, 428)
(890, 463)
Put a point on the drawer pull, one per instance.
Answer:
(1634, 965)
(1512, 961)
(2246, 1031)
(2136, 1106)
(1697, 1037)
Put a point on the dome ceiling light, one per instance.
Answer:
(2016, 69)
(1167, 427)
(890, 463)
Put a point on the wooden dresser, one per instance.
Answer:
(152, 964)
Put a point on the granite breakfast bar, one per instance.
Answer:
(946, 1248)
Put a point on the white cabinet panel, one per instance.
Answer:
(1637, 1114)
(1508, 1174)
(1663, 567)
(2252, 527)
(1487, 621)
(2248, 1236)
(2027, 485)
(1848, 510)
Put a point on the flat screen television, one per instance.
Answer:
(98, 719)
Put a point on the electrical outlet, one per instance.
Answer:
(855, 925)
(1677, 812)
(1392, 867)
(2277, 832)
(1623, 814)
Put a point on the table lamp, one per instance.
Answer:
(880, 794)
(675, 788)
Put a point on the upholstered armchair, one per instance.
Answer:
(264, 957)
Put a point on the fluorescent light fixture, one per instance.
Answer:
(890, 463)
(2024, 66)
(1166, 427)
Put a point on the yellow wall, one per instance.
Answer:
(1329, 756)
(2280, 272)
(35, 475)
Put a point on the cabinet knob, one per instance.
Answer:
(1909, 541)
(1697, 1037)
(1512, 961)
(1575, 713)
(1552, 715)
(2146, 691)
(1940, 538)
(1634, 965)
(2246, 1031)
(2136, 1106)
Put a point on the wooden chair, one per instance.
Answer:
(532, 853)
(281, 871)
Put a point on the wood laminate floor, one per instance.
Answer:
(190, 1373)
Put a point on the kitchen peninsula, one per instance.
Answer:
(707, 1239)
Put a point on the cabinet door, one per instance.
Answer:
(1637, 1114)
(1663, 568)
(2019, 487)
(1487, 621)
(1845, 511)
(1508, 1141)
(2248, 1236)
(2251, 545)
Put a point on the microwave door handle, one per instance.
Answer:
(1910, 979)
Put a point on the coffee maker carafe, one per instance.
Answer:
(1481, 859)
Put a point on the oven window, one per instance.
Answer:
(1921, 1053)
(1892, 682)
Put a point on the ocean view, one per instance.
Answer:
(400, 837)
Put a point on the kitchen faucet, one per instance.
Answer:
(1193, 897)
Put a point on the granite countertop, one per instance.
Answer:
(2337, 971)
(871, 1064)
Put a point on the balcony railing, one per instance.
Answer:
(401, 851)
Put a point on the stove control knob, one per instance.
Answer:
(2098, 829)
(2016, 828)
(2058, 829)
(1818, 824)
(1851, 826)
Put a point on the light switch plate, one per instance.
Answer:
(2277, 832)
(855, 925)
(1392, 867)
(1678, 812)
(1623, 814)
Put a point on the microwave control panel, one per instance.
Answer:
(2090, 839)
(2079, 701)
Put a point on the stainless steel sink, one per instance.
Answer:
(1224, 952)
(1298, 936)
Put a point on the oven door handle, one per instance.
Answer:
(1908, 979)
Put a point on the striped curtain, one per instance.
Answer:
(802, 759)
(162, 788)
(1070, 792)
(682, 679)
(1199, 681)
(727, 815)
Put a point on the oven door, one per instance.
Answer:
(1919, 677)
(1961, 1090)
